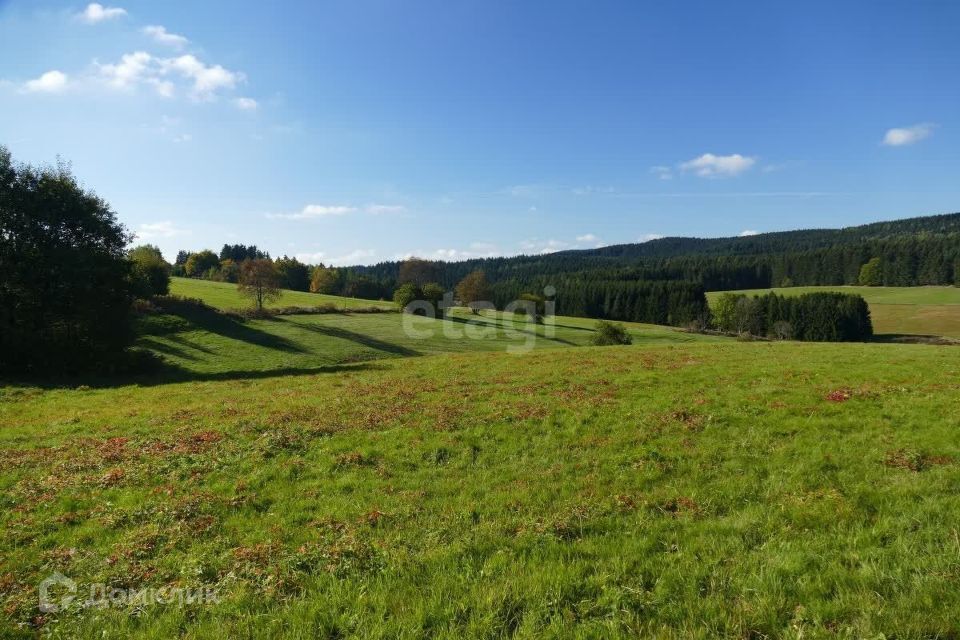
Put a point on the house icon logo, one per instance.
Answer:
(56, 593)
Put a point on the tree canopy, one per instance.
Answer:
(65, 286)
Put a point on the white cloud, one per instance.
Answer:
(647, 237)
(749, 232)
(164, 229)
(142, 68)
(207, 80)
(312, 211)
(354, 257)
(525, 190)
(662, 172)
(161, 35)
(50, 82)
(590, 190)
(711, 166)
(588, 237)
(246, 104)
(908, 135)
(380, 209)
(543, 246)
(183, 137)
(132, 69)
(476, 250)
(96, 12)
(357, 256)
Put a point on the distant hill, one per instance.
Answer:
(913, 251)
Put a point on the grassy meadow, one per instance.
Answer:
(212, 345)
(224, 295)
(919, 311)
(671, 490)
(325, 483)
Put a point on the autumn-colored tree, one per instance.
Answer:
(259, 281)
(325, 280)
(473, 289)
(418, 272)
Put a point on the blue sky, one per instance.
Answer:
(358, 131)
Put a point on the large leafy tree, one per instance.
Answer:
(324, 280)
(202, 264)
(259, 281)
(474, 289)
(417, 271)
(65, 289)
(871, 274)
(294, 275)
(150, 273)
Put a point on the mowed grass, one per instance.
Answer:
(210, 345)
(731, 489)
(206, 345)
(224, 295)
(895, 310)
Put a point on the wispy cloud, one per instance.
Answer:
(50, 82)
(384, 209)
(647, 237)
(712, 166)
(160, 34)
(96, 12)
(662, 172)
(749, 232)
(155, 230)
(903, 136)
(246, 104)
(313, 211)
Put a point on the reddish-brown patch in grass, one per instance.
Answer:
(112, 477)
(680, 505)
(913, 461)
(839, 395)
(625, 503)
(373, 518)
(113, 449)
(354, 459)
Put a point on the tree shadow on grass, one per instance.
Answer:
(150, 343)
(226, 325)
(507, 325)
(911, 338)
(359, 338)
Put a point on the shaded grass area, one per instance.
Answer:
(201, 342)
(920, 311)
(696, 490)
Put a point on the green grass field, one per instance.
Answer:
(695, 490)
(323, 483)
(211, 345)
(224, 295)
(896, 310)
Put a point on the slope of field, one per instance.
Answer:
(224, 295)
(704, 490)
(211, 345)
(895, 310)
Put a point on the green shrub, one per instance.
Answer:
(611, 333)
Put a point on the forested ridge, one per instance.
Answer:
(661, 281)
(914, 251)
